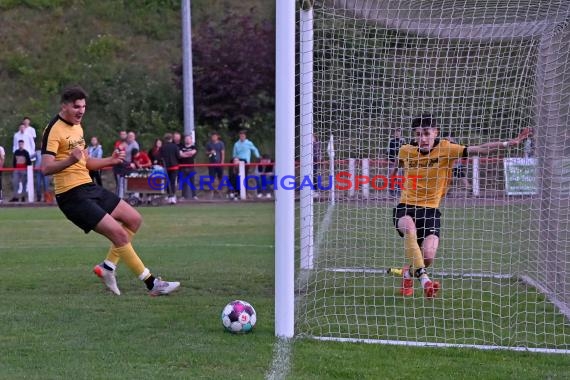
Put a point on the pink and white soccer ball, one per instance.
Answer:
(238, 317)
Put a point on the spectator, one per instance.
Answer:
(41, 181)
(394, 145)
(233, 177)
(95, 150)
(216, 151)
(529, 145)
(243, 149)
(26, 137)
(141, 160)
(20, 176)
(265, 172)
(170, 155)
(122, 139)
(131, 144)
(187, 155)
(2, 159)
(120, 170)
(177, 138)
(29, 130)
(154, 152)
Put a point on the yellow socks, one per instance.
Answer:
(413, 251)
(112, 255)
(132, 260)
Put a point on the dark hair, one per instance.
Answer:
(73, 93)
(134, 152)
(426, 120)
(20, 141)
(243, 131)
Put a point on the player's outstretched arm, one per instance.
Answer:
(494, 146)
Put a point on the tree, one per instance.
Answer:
(234, 72)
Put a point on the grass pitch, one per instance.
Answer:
(57, 322)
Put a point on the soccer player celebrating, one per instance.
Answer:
(417, 216)
(87, 205)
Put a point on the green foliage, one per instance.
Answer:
(103, 47)
(120, 51)
(35, 4)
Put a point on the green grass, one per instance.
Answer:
(57, 322)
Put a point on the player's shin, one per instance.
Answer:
(413, 251)
(414, 255)
(112, 255)
(131, 259)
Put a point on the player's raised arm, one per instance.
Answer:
(494, 146)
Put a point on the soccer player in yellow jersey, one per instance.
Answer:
(417, 216)
(87, 205)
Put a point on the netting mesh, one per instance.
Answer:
(485, 70)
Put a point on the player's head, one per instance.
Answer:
(73, 104)
(424, 131)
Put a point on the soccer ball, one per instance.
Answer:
(238, 317)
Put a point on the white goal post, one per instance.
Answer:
(485, 70)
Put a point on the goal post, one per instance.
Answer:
(485, 70)
(284, 165)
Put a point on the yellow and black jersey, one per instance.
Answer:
(432, 170)
(59, 139)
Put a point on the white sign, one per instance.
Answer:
(521, 176)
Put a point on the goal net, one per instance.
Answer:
(485, 70)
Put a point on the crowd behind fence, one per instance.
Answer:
(486, 177)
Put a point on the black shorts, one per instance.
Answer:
(86, 205)
(426, 219)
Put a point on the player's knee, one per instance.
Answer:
(118, 236)
(136, 222)
(406, 225)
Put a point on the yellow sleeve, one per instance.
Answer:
(456, 151)
(50, 141)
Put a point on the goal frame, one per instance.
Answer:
(284, 219)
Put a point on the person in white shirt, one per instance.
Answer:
(29, 129)
(26, 137)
